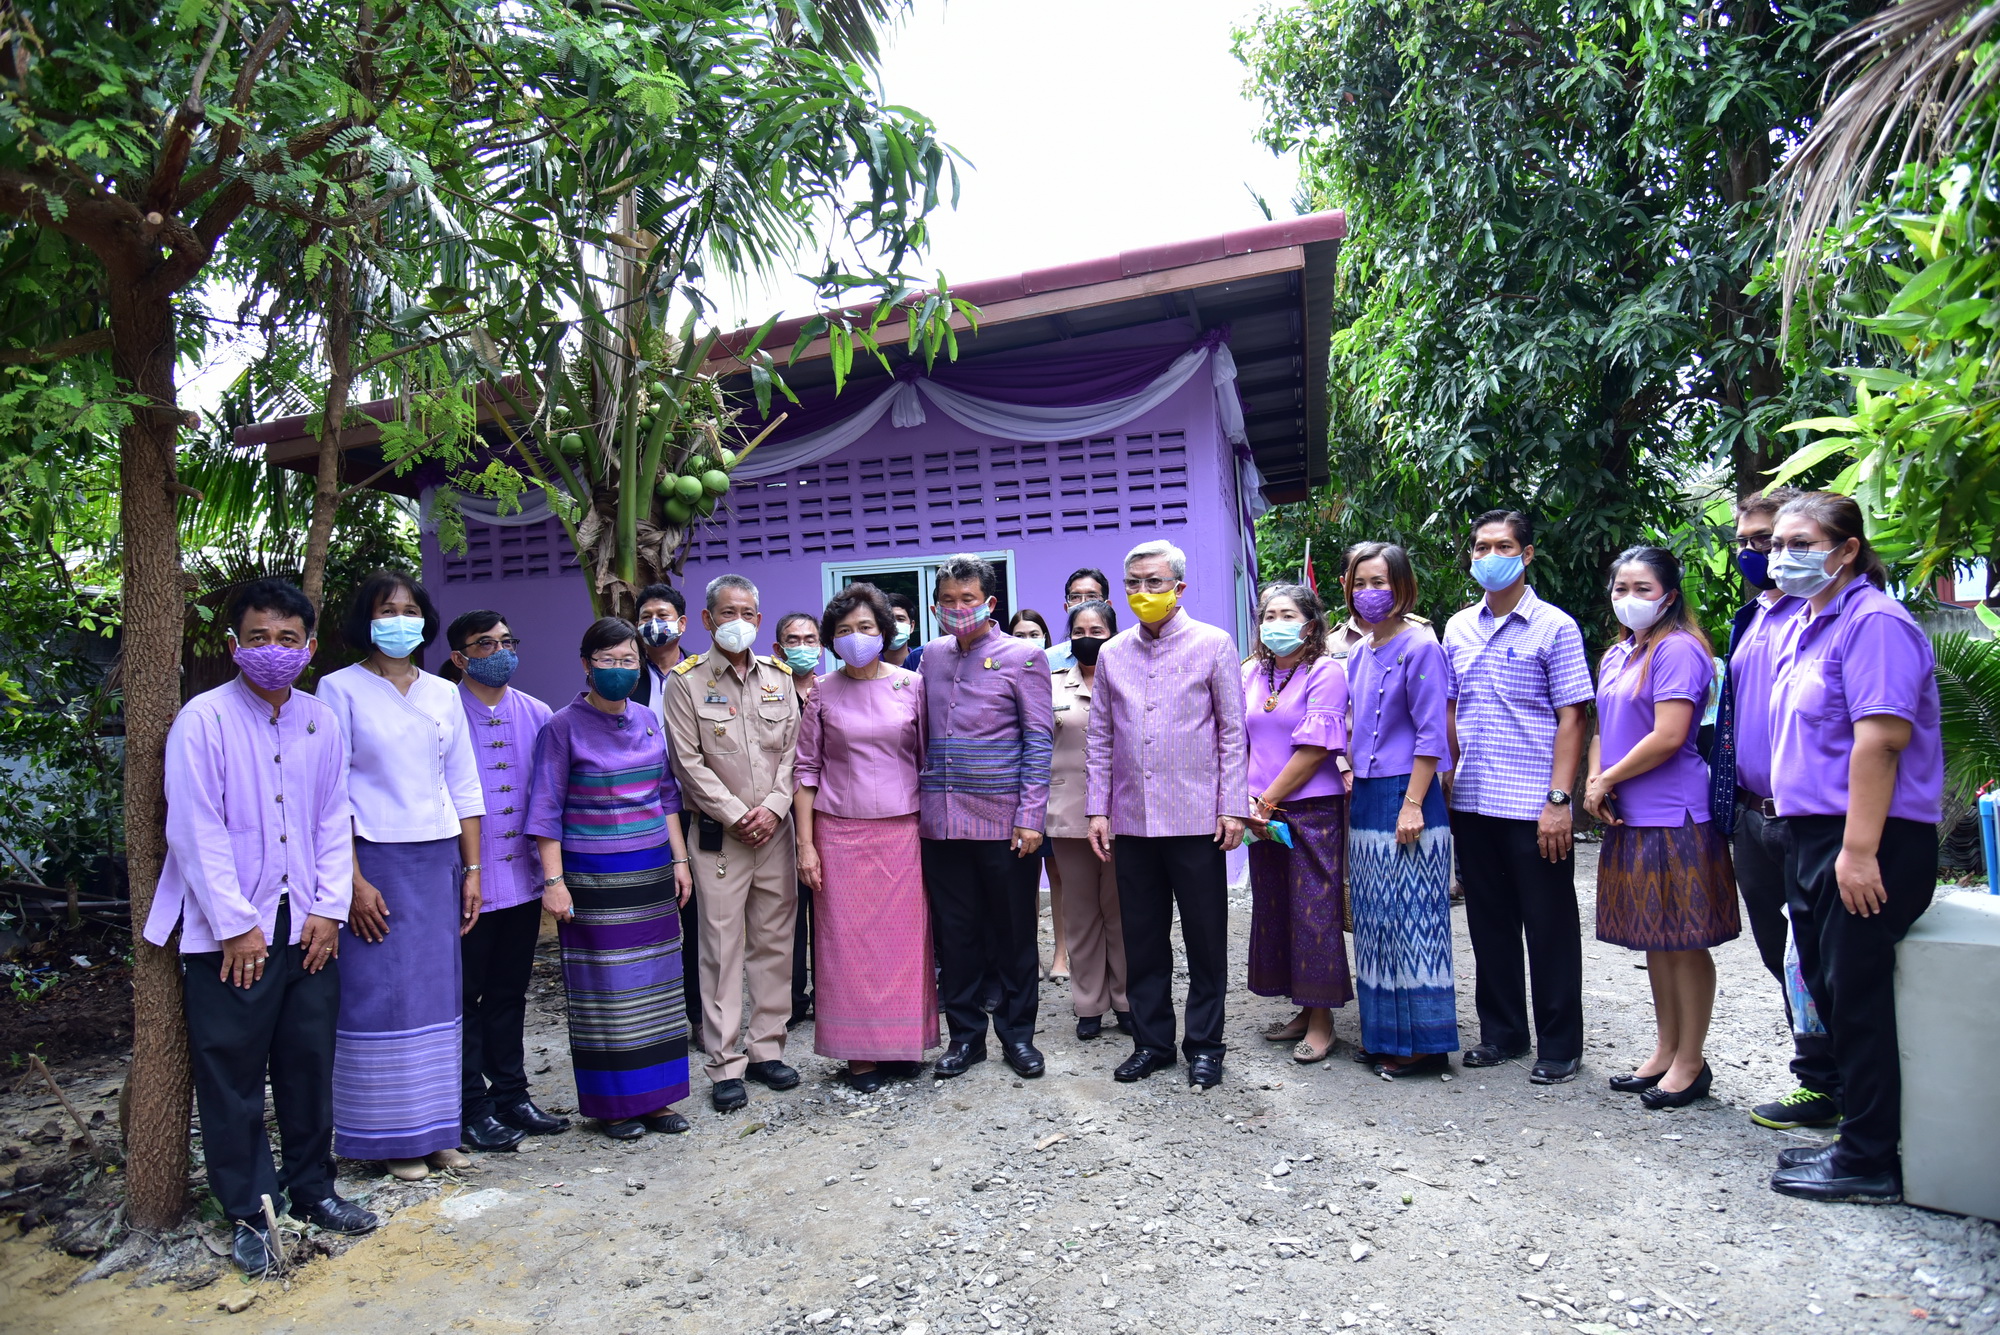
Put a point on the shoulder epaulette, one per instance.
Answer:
(688, 664)
(779, 664)
(1414, 619)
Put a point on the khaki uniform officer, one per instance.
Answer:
(733, 719)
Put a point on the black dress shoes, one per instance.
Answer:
(1825, 1180)
(1803, 1154)
(1549, 1071)
(629, 1128)
(772, 1074)
(1634, 1084)
(1205, 1071)
(958, 1059)
(728, 1095)
(864, 1082)
(251, 1250)
(1025, 1058)
(1680, 1098)
(1089, 1026)
(1489, 1054)
(488, 1133)
(665, 1124)
(335, 1215)
(1142, 1063)
(525, 1116)
(1431, 1063)
(900, 1070)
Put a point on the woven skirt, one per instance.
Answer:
(1297, 905)
(875, 982)
(1663, 887)
(621, 953)
(1402, 921)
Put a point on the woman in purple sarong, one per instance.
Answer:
(1294, 714)
(604, 812)
(861, 745)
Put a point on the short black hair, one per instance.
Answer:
(606, 633)
(271, 595)
(1088, 572)
(1524, 531)
(904, 603)
(469, 624)
(857, 594)
(361, 608)
(963, 568)
(664, 593)
(787, 619)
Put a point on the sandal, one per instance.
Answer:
(1305, 1054)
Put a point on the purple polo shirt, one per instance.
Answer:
(989, 736)
(1311, 710)
(1165, 747)
(503, 747)
(1398, 696)
(1629, 687)
(601, 781)
(1752, 673)
(1862, 655)
(1509, 676)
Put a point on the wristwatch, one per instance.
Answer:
(1558, 798)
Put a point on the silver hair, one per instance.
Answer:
(963, 568)
(1176, 558)
(721, 582)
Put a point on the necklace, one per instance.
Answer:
(1276, 687)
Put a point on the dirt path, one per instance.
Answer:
(1290, 1197)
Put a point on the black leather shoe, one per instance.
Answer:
(665, 1124)
(728, 1095)
(773, 1074)
(1803, 1154)
(1549, 1071)
(958, 1059)
(1089, 1026)
(1825, 1180)
(1431, 1063)
(864, 1082)
(490, 1134)
(1142, 1063)
(1025, 1058)
(1680, 1098)
(1634, 1084)
(900, 1070)
(1125, 1022)
(335, 1215)
(527, 1117)
(1205, 1071)
(629, 1128)
(1489, 1054)
(251, 1250)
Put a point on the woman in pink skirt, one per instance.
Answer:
(861, 745)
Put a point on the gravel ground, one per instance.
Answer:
(1291, 1197)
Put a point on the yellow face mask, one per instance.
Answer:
(1153, 608)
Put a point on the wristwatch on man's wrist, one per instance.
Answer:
(1558, 798)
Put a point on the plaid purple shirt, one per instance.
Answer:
(1509, 676)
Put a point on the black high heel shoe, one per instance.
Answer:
(1680, 1098)
(1634, 1084)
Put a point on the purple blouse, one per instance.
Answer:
(601, 782)
(1863, 655)
(1311, 711)
(1399, 696)
(1676, 791)
(861, 745)
(1752, 671)
(503, 746)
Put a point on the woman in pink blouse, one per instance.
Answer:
(861, 745)
(1294, 715)
(1665, 883)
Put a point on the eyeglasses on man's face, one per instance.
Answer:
(486, 644)
(1154, 584)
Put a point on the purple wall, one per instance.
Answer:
(907, 495)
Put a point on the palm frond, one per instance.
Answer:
(1968, 677)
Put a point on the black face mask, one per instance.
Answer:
(1086, 648)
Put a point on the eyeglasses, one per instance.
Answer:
(487, 644)
(1157, 584)
(626, 661)
(1802, 545)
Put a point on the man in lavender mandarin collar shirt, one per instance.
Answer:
(258, 876)
(1167, 776)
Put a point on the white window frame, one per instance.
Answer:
(836, 575)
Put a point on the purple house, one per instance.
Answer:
(1174, 392)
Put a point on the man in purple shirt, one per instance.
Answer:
(983, 797)
(258, 875)
(1166, 761)
(497, 955)
(1519, 683)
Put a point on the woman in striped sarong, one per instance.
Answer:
(1399, 838)
(603, 811)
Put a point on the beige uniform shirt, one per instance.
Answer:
(1068, 783)
(734, 734)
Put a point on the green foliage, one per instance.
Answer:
(1968, 677)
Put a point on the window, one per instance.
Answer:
(915, 576)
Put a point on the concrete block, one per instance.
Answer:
(1948, 1032)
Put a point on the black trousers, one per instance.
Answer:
(1511, 892)
(802, 953)
(1850, 965)
(281, 1025)
(983, 900)
(497, 960)
(1153, 876)
(691, 943)
(1760, 875)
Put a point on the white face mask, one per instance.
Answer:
(733, 637)
(1031, 636)
(1802, 574)
(1636, 614)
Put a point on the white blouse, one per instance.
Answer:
(410, 770)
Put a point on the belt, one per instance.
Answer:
(1763, 806)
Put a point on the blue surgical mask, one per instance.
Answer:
(1756, 568)
(802, 659)
(1283, 638)
(1495, 572)
(614, 683)
(398, 637)
(495, 669)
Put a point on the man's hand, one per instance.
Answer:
(368, 915)
(1554, 832)
(1859, 876)
(1100, 837)
(1229, 832)
(468, 902)
(1026, 841)
(320, 940)
(243, 958)
(756, 827)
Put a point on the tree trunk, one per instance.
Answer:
(156, 1132)
(339, 317)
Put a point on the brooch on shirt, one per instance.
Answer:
(989, 663)
(897, 684)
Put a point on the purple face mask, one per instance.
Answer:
(858, 650)
(1371, 605)
(271, 667)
